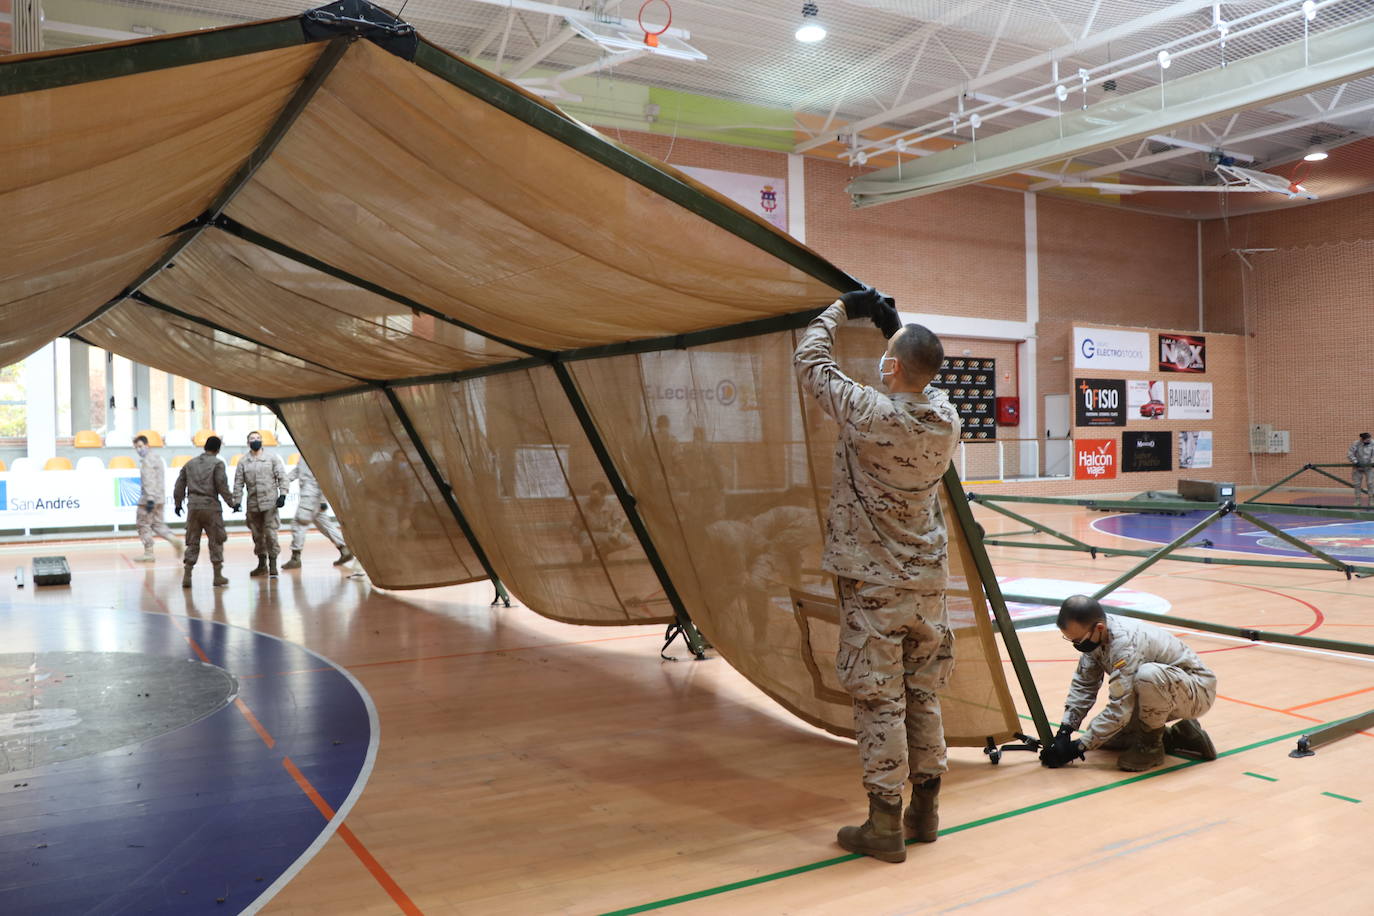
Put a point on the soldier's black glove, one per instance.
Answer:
(281, 501)
(886, 318)
(324, 506)
(178, 509)
(236, 507)
(861, 303)
(149, 505)
(1063, 751)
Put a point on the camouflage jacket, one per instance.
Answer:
(1129, 644)
(265, 479)
(153, 475)
(1361, 453)
(884, 525)
(204, 480)
(310, 497)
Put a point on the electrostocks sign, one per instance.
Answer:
(1111, 348)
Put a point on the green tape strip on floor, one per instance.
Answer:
(1265, 778)
(1342, 797)
(980, 822)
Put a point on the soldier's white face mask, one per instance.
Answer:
(141, 449)
(883, 362)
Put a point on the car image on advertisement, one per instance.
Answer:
(1152, 409)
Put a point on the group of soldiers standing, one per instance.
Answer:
(261, 483)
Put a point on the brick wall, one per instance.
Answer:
(1307, 310)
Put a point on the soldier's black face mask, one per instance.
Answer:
(255, 444)
(1087, 644)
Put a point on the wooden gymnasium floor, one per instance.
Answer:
(526, 766)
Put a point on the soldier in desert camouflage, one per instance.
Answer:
(1152, 679)
(885, 543)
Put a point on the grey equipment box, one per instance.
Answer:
(51, 571)
(1206, 491)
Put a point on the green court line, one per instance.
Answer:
(1265, 778)
(980, 822)
(1341, 797)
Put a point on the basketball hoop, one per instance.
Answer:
(651, 37)
(1295, 177)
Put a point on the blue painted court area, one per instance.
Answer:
(1344, 540)
(206, 817)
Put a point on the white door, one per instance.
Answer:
(1058, 446)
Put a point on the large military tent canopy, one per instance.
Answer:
(460, 301)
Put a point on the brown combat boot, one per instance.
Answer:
(261, 568)
(219, 575)
(344, 556)
(186, 577)
(272, 568)
(880, 836)
(1186, 738)
(1147, 753)
(294, 562)
(922, 817)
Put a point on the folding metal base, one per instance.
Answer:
(1333, 732)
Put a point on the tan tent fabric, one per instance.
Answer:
(34, 310)
(454, 190)
(392, 514)
(537, 498)
(419, 187)
(194, 351)
(92, 167)
(250, 290)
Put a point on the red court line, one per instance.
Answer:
(1286, 712)
(371, 864)
(1340, 696)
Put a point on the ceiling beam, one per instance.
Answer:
(1072, 49)
(1326, 59)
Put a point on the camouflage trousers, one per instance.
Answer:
(151, 522)
(264, 526)
(1363, 479)
(324, 523)
(211, 522)
(896, 652)
(1164, 693)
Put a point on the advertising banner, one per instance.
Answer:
(1182, 353)
(765, 197)
(1100, 402)
(1190, 400)
(69, 499)
(1145, 399)
(1108, 348)
(1094, 459)
(1194, 449)
(1146, 451)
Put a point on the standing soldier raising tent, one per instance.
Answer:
(152, 501)
(310, 509)
(1361, 458)
(885, 542)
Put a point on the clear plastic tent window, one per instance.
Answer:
(508, 347)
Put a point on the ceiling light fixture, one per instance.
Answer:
(810, 29)
(1316, 155)
(1164, 61)
(1309, 10)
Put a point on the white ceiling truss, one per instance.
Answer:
(917, 71)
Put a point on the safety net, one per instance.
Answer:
(508, 347)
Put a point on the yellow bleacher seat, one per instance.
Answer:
(295, 459)
(201, 435)
(180, 461)
(2, 466)
(154, 437)
(57, 464)
(269, 438)
(121, 462)
(87, 439)
(234, 462)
